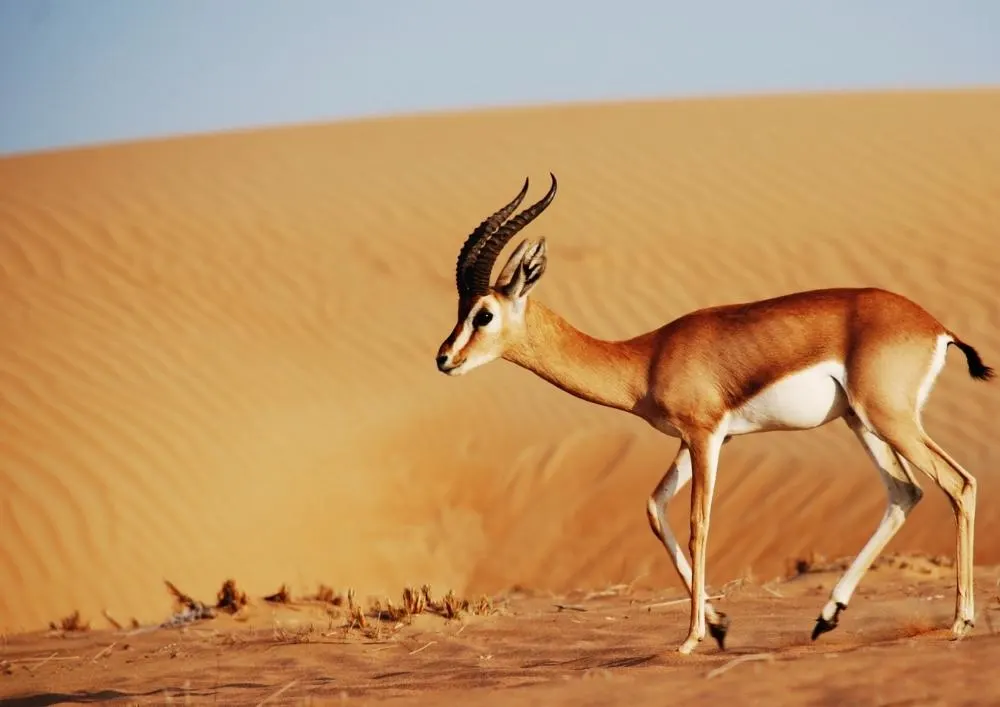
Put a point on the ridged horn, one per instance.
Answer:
(482, 268)
(474, 244)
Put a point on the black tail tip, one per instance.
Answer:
(977, 369)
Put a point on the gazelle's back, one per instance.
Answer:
(730, 353)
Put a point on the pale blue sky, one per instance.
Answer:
(88, 71)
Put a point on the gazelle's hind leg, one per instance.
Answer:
(904, 493)
(673, 481)
(888, 392)
(925, 454)
(963, 498)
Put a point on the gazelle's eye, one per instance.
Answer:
(482, 318)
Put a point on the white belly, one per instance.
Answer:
(801, 401)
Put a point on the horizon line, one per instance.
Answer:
(513, 106)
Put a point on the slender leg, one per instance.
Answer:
(961, 489)
(673, 481)
(911, 443)
(903, 493)
(704, 467)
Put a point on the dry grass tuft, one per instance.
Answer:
(483, 607)
(413, 601)
(451, 607)
(70, 624)
(389, 612)
(229, 598)
(282, 596)
(390, 616)
(355, 613)
(379, 619)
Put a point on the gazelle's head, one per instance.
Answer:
(491, 317)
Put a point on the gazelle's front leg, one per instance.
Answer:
(705, 448)
(672, 482)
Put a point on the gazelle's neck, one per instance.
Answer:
(610, 373)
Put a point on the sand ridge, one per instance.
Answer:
(217, 351)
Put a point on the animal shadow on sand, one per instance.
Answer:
(82, 697)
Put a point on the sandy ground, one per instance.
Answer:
(217, 357)
(607, 646)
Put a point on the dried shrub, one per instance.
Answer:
(188, 608)
(70, 624)
(282, 596)
(229, 598)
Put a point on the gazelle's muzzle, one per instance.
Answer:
(444, 363)
(447, 355)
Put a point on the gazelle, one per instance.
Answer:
(792, 362)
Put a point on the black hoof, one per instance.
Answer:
(718, 630)
(823, 625)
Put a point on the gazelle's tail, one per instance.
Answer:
(977, 369)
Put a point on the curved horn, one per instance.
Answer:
(483, 266)
(473, 245)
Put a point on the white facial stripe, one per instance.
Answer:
(462, 340)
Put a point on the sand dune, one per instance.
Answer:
(216, 352)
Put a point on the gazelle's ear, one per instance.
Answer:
(510, 269)
(523, 271)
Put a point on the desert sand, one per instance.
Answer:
(528, 648)
(217, 351)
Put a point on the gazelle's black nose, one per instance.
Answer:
(442, 359)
